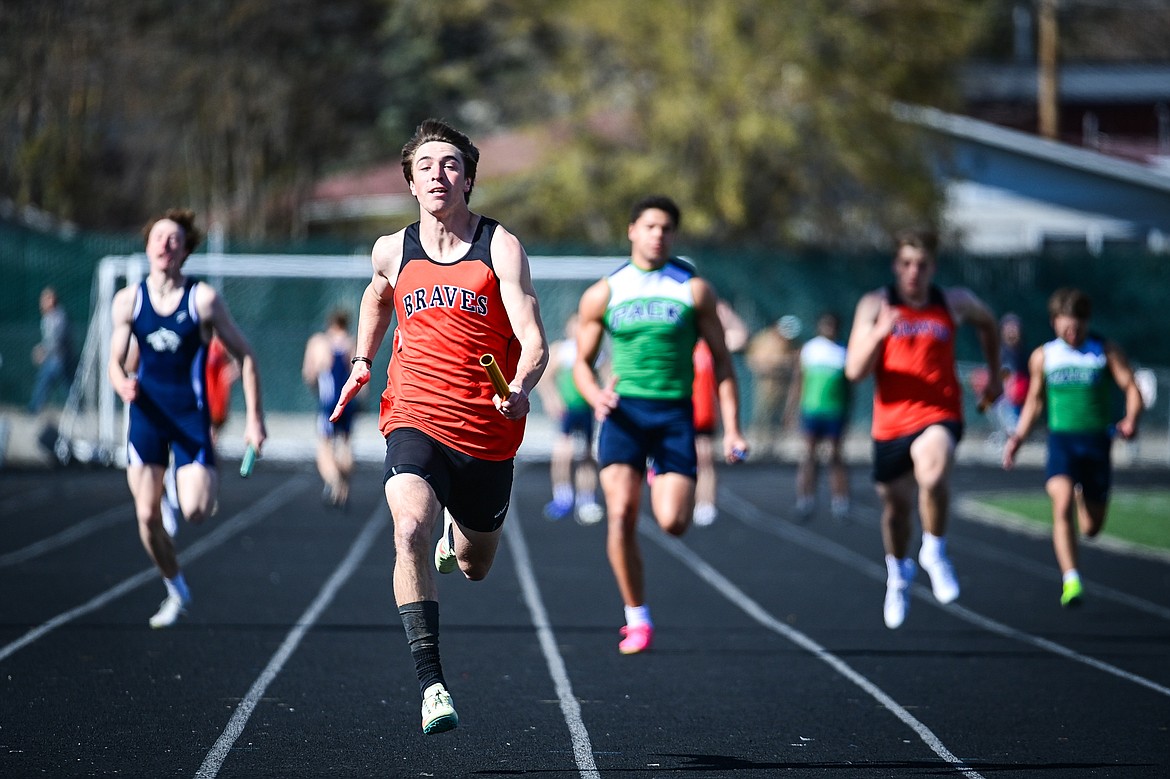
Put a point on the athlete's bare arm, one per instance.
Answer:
(1030, 411)
(966, 307)
(873, 321)
(1123, 374)
(213, 311)
(590, 330)
(122, 315)
(312, 363)
(519, 296)
(375, 313)
(735, 446)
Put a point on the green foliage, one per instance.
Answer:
(766, 120)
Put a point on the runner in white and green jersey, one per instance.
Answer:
(824, 407)
(654, 308)
(1072, 374)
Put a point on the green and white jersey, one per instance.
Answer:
(565, 354)
(1077, 386)
(651, 322)
(824, 390)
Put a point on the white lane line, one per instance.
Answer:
(357, 552)
(225, 531)
(740, 599)
(124, 513)
(829, 548)
(570, 707)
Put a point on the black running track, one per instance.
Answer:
(771, 658)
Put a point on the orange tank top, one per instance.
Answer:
(915, 384)
(449, 314)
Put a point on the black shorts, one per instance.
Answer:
(476, 492)
(891, 458)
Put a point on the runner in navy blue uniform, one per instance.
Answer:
(325, 368)
(167, 321)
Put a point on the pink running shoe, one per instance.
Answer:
(637, 639)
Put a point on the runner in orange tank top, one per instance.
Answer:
(460, 286)
(904, 334)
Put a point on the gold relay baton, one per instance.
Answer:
(499, 384)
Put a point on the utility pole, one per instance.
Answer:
(1048, 84)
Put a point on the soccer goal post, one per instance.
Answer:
(279, 300)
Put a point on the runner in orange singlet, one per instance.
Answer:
(460, 287)
(904, 334)
(222, 372)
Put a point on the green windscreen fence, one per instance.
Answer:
(1128, 289)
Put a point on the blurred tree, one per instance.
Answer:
(767, 120)
(232, 106)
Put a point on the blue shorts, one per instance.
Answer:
(578, 422)
(891, 459)
(156, 433)
(660, 429)
(476, 492)
(1084, 458)
(821, 426)
(341, 427)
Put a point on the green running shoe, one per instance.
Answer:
(1071, 593)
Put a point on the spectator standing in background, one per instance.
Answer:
(53, 353)
(772, 356)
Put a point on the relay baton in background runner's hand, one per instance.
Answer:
(499, 384)
(248, 462)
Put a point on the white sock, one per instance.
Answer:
(1069, 576)
(177, 587)
(933, 547)
(638, 615)
(894, 569)
(563, 493)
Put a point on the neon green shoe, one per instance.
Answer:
(1071, 593)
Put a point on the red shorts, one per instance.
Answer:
(704, 391)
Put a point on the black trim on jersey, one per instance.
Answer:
(480, 249)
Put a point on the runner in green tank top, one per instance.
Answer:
(1070, 374)
(824, 408)
(654, 308)
(572, 468)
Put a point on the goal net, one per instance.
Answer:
(279, 301)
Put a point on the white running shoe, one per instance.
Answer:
(898, 594)
(942, 577)
(438, 713)
(705, 514)
(445, 560)
(169, 612)
(590, 513)
(805, 505)
(840, 508)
